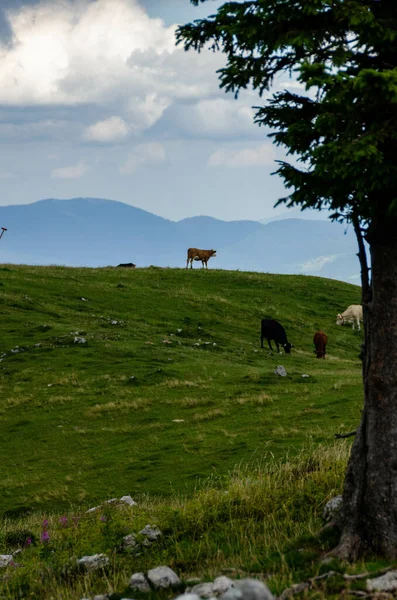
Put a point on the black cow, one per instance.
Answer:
(272, 330)
(127, 265)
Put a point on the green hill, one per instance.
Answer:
(171, 386)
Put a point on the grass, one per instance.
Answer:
(130, 413)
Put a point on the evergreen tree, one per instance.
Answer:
(342, 128)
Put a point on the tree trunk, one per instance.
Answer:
(369, 520)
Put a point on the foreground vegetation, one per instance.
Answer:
(169, 393)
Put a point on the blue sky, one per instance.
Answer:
(96, 100)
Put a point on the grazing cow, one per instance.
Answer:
(320, 341)
(197, 254)
(127, 265)
(353, 314)
(272, 330)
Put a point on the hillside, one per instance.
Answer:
(94, 232)
(170, 388)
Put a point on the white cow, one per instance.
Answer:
(353, 314)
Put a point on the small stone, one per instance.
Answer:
(146, 543)
(93, 562)
(139, 583)
(129, 541)
(248, 589)
(151, 532)
(178, 420)
(37, 345)
(385, 583)
(84, 299)
(111, 501)
(50, 385)
(214, 344)
(163, 577)
(93, 509)
(204, 590)
(167, 342)
(15, 350)
(80, 340)
(332, 508)
(279, 370)
(179, 330)
(101, 597)
(188, 596)
(128, 500)
(305, 375)
(196, 344)
(114, 322)
(222, 584)
(5, 560)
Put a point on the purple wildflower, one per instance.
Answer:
(103, 519)
(63, 521)
(45, 523)
(45, 537)
(28, 541)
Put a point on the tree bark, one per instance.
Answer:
(369, 518)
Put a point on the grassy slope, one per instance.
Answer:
(75, 428)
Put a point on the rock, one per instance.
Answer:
(101, 597)
(188, 596)
(248, 589)
(93, 509)
(279, 370)
(79, 340)
(332, 508)
(196, 344)
(111, 501)
(163, 577)
(146, 543)
(305, 375)
(167, 342)
(5, 560)
(222, 584)
(128, 500)
(179, 330)
(204, 590)
(93, 562)
(114, 322)
(139, 583)
(152, 533)
(178, 420)
(385, 583)
(86, 300)
(129, 541)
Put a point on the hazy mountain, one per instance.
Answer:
(96, 232)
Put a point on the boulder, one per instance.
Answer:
(163, 577)
(221, 585)
(128, 500)
(204, 590)
(5, 560)
(280, 370)
(129, 541)
(332, 508)
(248, 589)
(139, 583)
(385, 583)
(152, 533)
(93, 562)
(188, 596)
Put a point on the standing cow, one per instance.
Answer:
(320, 341)
(197, 254)
(273, 330)
(353, 314)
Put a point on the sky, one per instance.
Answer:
(96, 100)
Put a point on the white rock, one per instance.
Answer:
(204, 590)
(5, 560)
(332, 508)
(138, 582)
(385, 583)
(178, 420)
(279, 370)
(305, 375)
(111, 501)
(222, 584)
(129, 541)
(93, 509)
(188, 596)
(101, 597)
(196, 344)
(163, 577)
(248, 589)
(179, 330)
(151, 532)
(79, 340)
(214, 344)
(84, 299)
(128, 500)
(93, 562)
(113, 322)
(167, 342)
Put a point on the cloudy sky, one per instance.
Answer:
(96, 100)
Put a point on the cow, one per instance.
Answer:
(273, 330)
(320, 341)
(197, 254)
(127, 265)
(353, 314)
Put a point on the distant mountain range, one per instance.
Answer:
(95, 232)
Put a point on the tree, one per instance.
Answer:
(342, 128)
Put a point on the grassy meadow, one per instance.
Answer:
(172, 401)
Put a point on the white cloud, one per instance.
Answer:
(316, 264)
(112, 129)
(71, 172)
(145, 154)
(256, 156)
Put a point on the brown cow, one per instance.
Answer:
(197, 254)
(320, 341)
